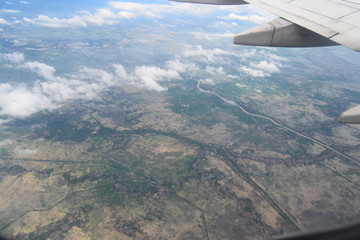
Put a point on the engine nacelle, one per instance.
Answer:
(351, 116)
(281, 33)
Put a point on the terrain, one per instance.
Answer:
(141, 120)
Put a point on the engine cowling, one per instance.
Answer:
(282, 33)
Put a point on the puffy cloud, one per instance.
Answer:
(211, 36)
(23, 152)
(215, 71)
(248, 53)
(263, 68)
(173, 8)
(252, 18)
(101, 17)
(57, 22)
(272, 56)
(122, 74)
(13, 57)
(3, 22)
(266, 66)
(5, 142)
(50, 91)
(157, 10)
(25, 19)
(149, 76)
(21, 102)
(127, 15)
(41, 69)
(206, 55)
(241, 85)
(253, 72)
(223, 25)
(180, 67)
(208, 81)
(97, 75)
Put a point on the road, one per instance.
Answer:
(278, 124)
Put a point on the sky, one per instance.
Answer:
(44, 44)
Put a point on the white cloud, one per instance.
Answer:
(9, 11)
(5, 142)
(23, 152)
(223, 25)
(3, 22)
(215, 71)
(50, 91)
(25, 19)
(257, 90)
(157, 10)
(22, 102)
(173, 8)
(101, 17)
(263, 68)
(253, 72)
(24, 2)
(148, 77)
(252, 18)
(127, 15)
(180, 67)
(266, 66)
(272, 56)
(13, 57)
(57, 22)
(208, 81)
(97, 75)
(206, 55)
(42, 69)
(248, 53)
(212, 36)
(122, 74)
(241, 85)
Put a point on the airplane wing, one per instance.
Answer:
(304, 23)
(336, 20)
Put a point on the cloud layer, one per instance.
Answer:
(51, 90)
(121, 10)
